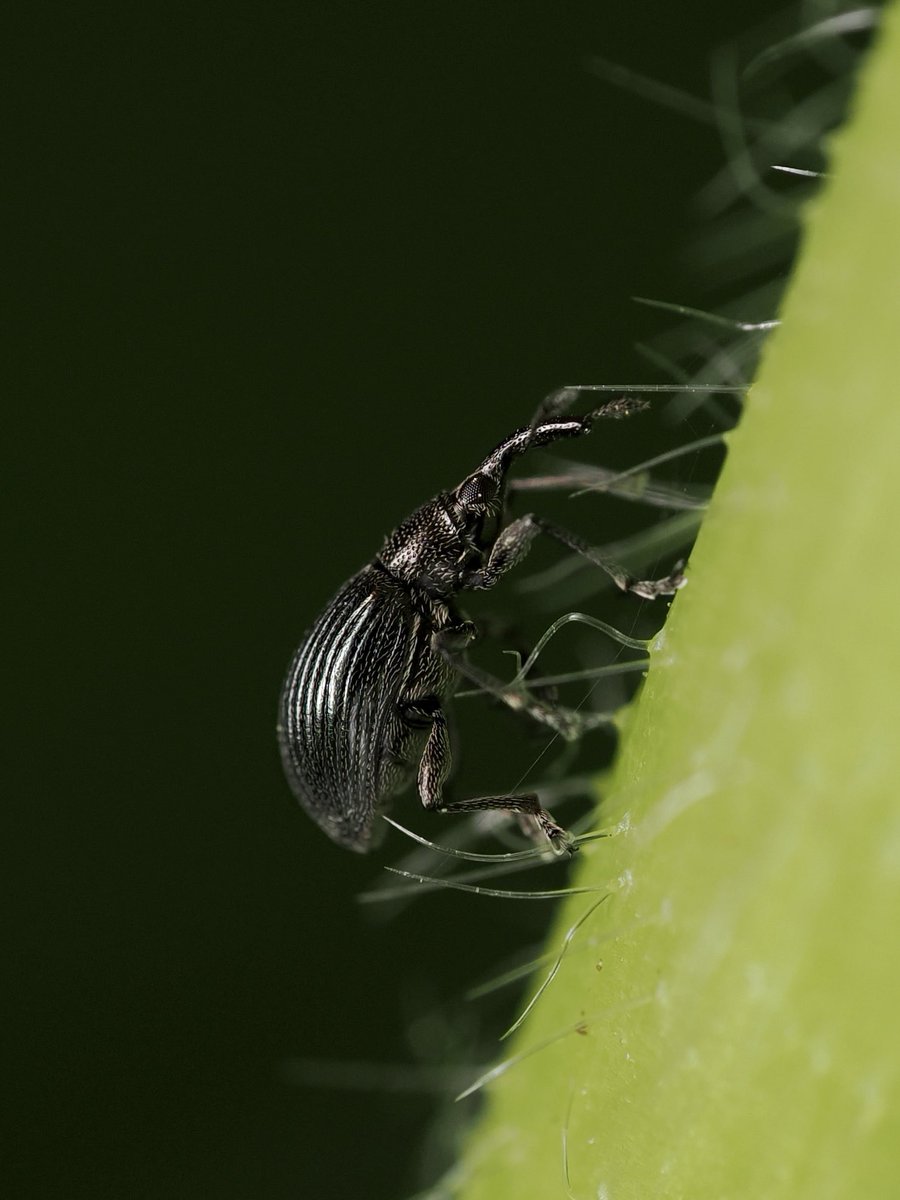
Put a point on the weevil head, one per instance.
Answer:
(478, 496)
(434, 547)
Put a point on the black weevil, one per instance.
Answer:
(363, 706)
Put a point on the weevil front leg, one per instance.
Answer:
(435, 766)
(515, 540)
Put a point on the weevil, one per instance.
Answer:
(364, 705)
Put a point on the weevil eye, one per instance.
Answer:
(476, 492)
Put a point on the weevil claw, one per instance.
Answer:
(562, 843)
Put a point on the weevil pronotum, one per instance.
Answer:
(363, 706)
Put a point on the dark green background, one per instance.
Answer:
(283, 274)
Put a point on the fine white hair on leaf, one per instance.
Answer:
(578, 1027)
(557, 963)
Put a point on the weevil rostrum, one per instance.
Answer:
(363, 707)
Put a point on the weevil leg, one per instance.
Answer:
(650, 589)
(495, 628)
(567, 722)
(515, 540)
(435, 766)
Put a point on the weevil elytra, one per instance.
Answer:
(363, 708)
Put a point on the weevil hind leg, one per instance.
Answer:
(435, 766)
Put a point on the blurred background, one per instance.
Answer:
(284, 272)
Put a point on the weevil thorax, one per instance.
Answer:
(434, 547)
